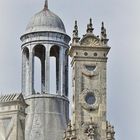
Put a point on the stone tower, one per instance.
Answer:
(44, 115)
(89, 59)
(48, 112)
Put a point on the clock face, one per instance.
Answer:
(90, 98)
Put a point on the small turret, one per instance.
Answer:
(110, 132)
(75, 39)
(89, 27)
(103, 34)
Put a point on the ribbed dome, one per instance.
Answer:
(45, 21)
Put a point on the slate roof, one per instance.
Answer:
(11, 97)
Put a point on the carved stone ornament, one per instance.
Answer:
(90, 40)
(110, 132)
(89, 70)
(91, 131)
(90, 99)
(70, 133)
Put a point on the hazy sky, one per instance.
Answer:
(122, 21)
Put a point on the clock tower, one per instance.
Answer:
(89, 60)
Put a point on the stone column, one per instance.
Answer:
(47, 68)
(43, 74)
(66, 73)
(57, 73)
(31, 72)
(23, 72)
(61, 70)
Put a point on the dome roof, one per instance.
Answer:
(45, 20)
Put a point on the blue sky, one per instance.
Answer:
(122, 21)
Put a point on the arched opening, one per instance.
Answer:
(54, 69)
(25, 70)
(37, 75)
(39, 68)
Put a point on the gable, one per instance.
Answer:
(90, 40)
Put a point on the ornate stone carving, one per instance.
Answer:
(75, 39)
(89, 27)
(91, 131)
(93, 102)
(110, 132)
(90, 40)
(70, 133)
(103, 35)
(89, 70)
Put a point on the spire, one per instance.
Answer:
(89, 27)
(103, 31)
(46, 5)
(110, 132)
(103, 34)
(75, 33)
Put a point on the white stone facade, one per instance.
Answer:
(44, 115)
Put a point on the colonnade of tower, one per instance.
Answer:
(44, 51)
(48, 111)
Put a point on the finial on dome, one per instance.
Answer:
(46, 5)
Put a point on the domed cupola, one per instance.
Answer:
(45, 20)
(45, 37)
(45, 84)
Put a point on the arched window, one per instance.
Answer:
(54, 69)
(39, 68)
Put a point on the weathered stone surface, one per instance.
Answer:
(47, 117)
(48, 112)
(89, 59)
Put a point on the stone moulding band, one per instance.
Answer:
(46, 96)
